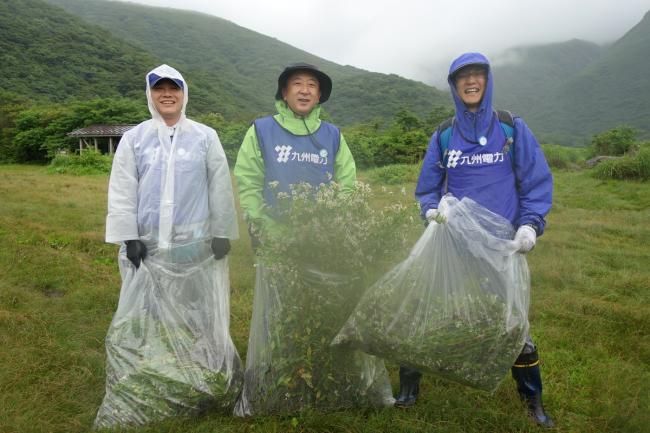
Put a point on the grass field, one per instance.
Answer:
(590, 316)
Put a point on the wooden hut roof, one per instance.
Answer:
(101, 131)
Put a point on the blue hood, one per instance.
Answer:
(472, 125)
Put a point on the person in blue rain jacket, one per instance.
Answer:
(514, 183)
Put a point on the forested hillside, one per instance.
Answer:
(566, 91)
(70, 50)
(230, 70)
(47, 54)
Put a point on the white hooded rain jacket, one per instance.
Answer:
(170, 186)
(168, 348)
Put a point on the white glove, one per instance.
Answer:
(433, 215)
(525, 238)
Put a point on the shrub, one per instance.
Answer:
(313, 267)
(617, 141)
(89, 161)
(626, 167)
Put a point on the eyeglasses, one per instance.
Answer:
(473, 72)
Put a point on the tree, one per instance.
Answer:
(404, 143)
(81, 114)
(362, 140)
(406, 121)
(40, 132)
(617, 141)
(231, 133)
(12, 105)
(34, 126)
(435, 117)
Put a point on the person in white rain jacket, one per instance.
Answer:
(170, 186)
(171, 208)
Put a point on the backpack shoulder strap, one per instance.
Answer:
(507, 117)
(444, 134)
(507, 121)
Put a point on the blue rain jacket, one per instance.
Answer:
(480, 168)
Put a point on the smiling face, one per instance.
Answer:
(168, 99)
(302, 92)
(470, 85)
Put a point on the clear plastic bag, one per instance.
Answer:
(169, 350)
(290, 365)
(456, 307)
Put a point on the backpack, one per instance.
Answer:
(507, 121)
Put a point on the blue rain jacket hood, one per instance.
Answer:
(472, 125)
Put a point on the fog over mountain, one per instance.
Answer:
(567, 91)
(418, 38)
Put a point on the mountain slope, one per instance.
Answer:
(567, 92)
(236, 67)
(48, 54)
(614, 89)
(525, 74)
(578, 89)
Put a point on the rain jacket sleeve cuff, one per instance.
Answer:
(120, 228)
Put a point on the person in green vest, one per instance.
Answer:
(294, 147)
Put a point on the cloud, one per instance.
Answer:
(419, 38)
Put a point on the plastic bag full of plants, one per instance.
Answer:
(311, 273)
(457, 307)
(169, 350)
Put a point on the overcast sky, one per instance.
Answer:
(419, 38)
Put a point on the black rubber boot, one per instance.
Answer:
(409, 387)
(529, 385)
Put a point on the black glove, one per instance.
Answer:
(136, 251)
(255, 241)
(220, 247)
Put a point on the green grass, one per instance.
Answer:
(590, 316)
(559, 156)
(394, 174)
